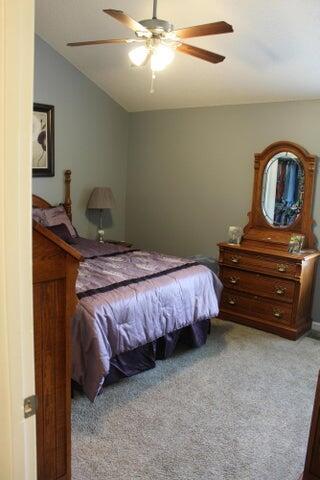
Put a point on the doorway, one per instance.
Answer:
(18, 438)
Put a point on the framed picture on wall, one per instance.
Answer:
(43, 140)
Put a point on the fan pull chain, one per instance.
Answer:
(153, 77)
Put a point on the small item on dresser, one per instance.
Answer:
(296, 243)
(235, 235)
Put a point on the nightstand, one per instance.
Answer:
(119, 242)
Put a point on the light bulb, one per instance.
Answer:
(138, 55)
(161, 57)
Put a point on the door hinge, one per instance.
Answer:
(30, 406)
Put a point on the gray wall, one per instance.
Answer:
(190, 171)
(91, 138)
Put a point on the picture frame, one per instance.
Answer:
(296, 243)
(43, 140)
(235, 235)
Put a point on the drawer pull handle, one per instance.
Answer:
(277, 313)
(234, 280)
(282, 267)
(235, 259)
(232, 301)
(280, 290)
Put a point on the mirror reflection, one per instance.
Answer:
(282, 193)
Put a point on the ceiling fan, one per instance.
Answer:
(158, 40)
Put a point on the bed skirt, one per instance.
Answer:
(144, 357)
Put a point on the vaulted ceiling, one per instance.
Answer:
(273, 54)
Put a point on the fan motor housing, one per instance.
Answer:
(157, 26)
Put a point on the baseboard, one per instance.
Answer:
(316, 326)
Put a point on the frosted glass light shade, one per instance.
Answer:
(138, 55)
(161, 57)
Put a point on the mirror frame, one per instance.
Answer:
(258, 229)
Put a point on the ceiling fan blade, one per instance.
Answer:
(127, 21)
(205, 29)
(101, 42)
(200, 53)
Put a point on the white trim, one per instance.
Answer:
(316, 326)
(17, 439)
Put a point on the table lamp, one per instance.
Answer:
(101, 199)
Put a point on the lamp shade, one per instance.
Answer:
(101, 198)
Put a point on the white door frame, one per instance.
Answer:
(17, 437)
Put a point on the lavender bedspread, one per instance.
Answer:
(128, 298)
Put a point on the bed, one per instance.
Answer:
(134, 307)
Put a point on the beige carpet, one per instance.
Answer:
(238, 408)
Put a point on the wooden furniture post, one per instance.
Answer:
(55, 266)
(67, 200)
(312, 466)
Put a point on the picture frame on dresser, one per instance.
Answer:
(265, 286)
(43, 140)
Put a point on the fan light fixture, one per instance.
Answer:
(138, 55)
(161, 56)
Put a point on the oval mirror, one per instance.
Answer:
(282, 189)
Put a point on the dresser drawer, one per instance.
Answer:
(256, 307)
(258, 284)
(259, 263)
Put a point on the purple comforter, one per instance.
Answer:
(128, 298)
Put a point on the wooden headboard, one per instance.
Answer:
(39, 202)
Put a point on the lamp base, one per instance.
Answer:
(100, 235)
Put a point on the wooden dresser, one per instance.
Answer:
(267, 289)
(265, 286)
(55, 265)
